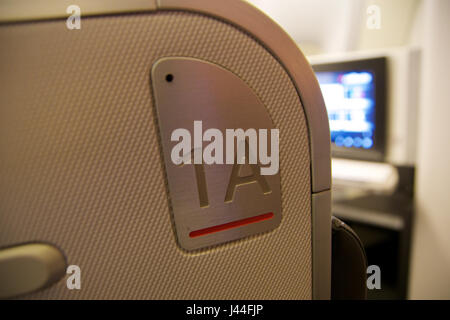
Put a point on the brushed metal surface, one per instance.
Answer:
(204, 91)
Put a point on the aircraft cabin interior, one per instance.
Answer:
(224, 155)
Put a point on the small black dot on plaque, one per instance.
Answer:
(169, 77)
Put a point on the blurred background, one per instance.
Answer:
(383, 67)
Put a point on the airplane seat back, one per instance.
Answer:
(87, 127)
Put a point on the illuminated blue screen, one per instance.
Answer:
(350, 101)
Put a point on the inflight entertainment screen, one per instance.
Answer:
(350, 100)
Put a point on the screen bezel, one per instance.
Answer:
(378, 67)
